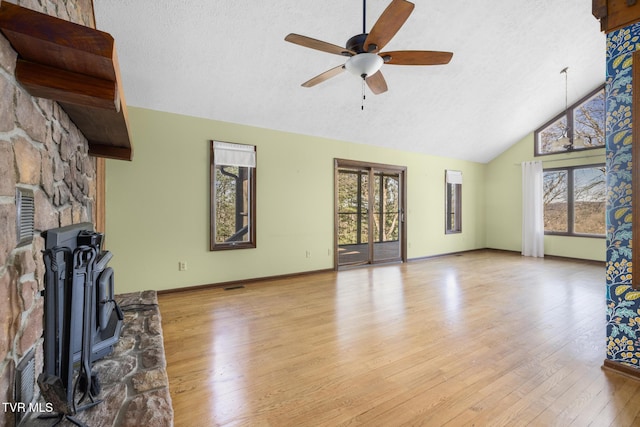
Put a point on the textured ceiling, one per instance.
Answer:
(227, 60)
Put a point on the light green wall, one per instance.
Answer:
(504, 202)
(158, 204)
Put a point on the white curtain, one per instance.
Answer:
(532, 210)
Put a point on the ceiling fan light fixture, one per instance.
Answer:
(364, 64)
(562, 143)
(363, 49)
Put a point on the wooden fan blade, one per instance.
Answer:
(377, 83)
(318, 45)
(417, 57)
(393, 17)
(324, 76)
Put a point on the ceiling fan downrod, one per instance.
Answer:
(364, 16)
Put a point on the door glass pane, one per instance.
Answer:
(555, 201)
(589, 193)
(386, 216)
(353, 214)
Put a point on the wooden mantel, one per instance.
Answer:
(76, 66)
(615, 14)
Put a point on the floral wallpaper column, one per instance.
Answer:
(623, 302)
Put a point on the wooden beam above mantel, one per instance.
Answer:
(615, 14)
(76, 66)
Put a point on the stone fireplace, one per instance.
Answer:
(43, 155)
(48, 180)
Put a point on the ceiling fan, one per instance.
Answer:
(363, 50)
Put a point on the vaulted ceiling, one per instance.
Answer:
(227, 60)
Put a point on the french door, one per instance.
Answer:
(369, 213)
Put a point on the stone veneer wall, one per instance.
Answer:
(41, 150)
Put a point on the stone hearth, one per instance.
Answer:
(135, 386)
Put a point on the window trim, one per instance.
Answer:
(251, 243)
(571, 202)
(568, 113)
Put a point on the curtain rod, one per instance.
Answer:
(567, 159)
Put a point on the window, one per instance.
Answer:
(453, 215)
(574, 200)
(233, 196)
(580, 127)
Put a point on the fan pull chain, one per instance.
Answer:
(363, 94)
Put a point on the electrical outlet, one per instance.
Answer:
(182, 265)
(308, 254)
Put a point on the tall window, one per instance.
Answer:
(580, 127)
(233, 196)
(453, 214)
(574, 200)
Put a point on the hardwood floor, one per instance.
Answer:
(480, 339)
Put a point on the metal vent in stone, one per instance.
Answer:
(26, 208)
(25, 383)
